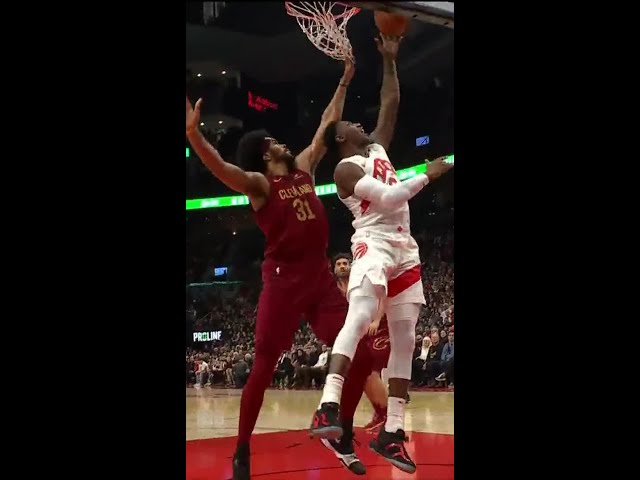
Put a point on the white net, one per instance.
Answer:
(325, 24)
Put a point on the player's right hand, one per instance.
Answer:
(193, 116)
(437, 168)
(349, 70)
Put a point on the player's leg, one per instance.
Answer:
(376, 392)
(274, 310)
(353, 390)
(376, 387)
(363, 304)
(402, 319)
(326, 319)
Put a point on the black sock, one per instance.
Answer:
(347, 430)
(242, 451)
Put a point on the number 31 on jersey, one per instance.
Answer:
(303, 211)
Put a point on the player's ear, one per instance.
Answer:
(339, 138)
(266, 157)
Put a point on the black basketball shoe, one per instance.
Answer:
(242, 464)
(326, 422)
(391, 447)
(343, 449)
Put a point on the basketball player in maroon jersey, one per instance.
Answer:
(296, 281)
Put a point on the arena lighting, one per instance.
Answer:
(327, 189)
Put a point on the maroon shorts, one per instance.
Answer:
(292, 293)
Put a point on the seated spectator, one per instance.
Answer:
(217, 370)
(419, 360)
(319, 370)
(433, 365)
(191, 375)
(202, 373)
(302, 365)
(283, 373)
(447, 362)
(228, 373)
(443, 336)
(240, 372)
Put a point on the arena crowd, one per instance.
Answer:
(228, 362)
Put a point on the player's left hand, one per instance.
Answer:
(388, 45)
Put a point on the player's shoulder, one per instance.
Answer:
(376, 149)
(357, 159)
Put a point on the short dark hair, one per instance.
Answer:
(250, 152)
(340, 256)
(329, 137)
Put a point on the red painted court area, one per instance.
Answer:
(292, 455)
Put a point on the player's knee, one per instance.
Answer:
(361, 313)
(403, 337)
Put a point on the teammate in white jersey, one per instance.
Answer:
(386, 261)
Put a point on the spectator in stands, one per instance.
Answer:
(228, 373)
(447, 362)
(443, 336)
(191, 375)
(419, 360)
(202, 373)
(240, 372)
(433, 365)
(217, 370)
(319, 370)
(284, 371)
(301, 368)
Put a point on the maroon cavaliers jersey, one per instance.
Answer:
(294, 221)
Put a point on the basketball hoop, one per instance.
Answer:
(325, 24)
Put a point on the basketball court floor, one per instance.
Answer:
(282, 450)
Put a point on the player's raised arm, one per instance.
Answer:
(350, 179)
(389, 93)
(252, 184)
(309, 158)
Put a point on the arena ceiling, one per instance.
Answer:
(261, 40)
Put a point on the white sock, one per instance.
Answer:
(395, 415)
(332, 389)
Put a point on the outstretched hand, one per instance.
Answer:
(349, 70)
(388, 45)
(437, 168)
(193, 116)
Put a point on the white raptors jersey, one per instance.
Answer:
(365, 215)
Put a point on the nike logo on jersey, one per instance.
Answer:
(297, 176)
(276, 180)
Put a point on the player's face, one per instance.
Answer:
(280, 153)
(352, 133)
(342, 268)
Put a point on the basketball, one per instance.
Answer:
(391, 23)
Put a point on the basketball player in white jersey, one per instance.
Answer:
(386, 261)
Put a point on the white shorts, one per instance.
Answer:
(393, 263)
